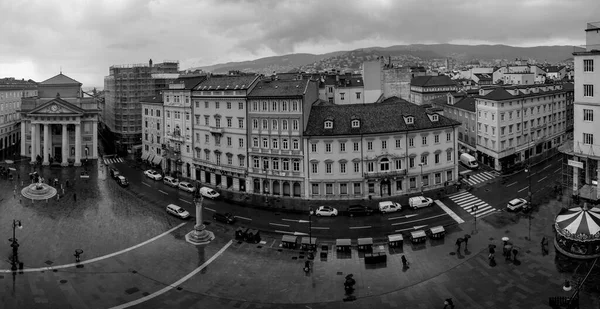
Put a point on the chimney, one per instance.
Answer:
(150, 63)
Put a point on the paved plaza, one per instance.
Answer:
(136, 256)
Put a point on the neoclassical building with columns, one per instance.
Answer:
(59, 125)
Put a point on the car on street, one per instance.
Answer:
(419, 202)
(389, 206)
(152, 174)
(170, 181)
(227, 218)
(517, 204)
(114, 173)
(122, 181)
(359, 210)
(326, 211)
(187, 187)
(209, 193)
(177, 211)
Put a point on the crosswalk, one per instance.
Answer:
(113, 160)
(467, 200)
(481, 177)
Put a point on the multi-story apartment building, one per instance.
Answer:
(554, 72)
(153, 128)
(375, 150)
(460, 106)
(570, 89)
(515, 123)
(424, 89)
(519, 74)
(124, 87)
(178, 126)
(342, 89)
(220, 136)
(11, 92)
(277, 114)
(585, 151)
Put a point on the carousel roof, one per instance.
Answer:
(580, 220)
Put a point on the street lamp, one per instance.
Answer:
(15, 245)
(310, 250)
(266, 189)
(421, 165)
(530, 196)
(14, 151)
(474, 209)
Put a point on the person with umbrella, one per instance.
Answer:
(466, 240)
(458, 243)
(491, 256)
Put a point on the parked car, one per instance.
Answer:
(359, 210)
(208, 192)
(419, 202)
(389, 206)
(186, 186)
(225, 218)
(469, 161)
(517, 204)
(170, 181)
(177, 211)
(152, 174)
(114, 173)
(326, 211)
(122, 181)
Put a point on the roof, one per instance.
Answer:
(241, 82)
(350, 81)
(60, 79)
(152, 99)
(467, 104)
(568, 87)
(279, 88)
(501, 93)
(484, 76)
(189, 82)
(384, 117)
(553, 68)
(432, 81)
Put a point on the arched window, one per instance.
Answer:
(384, 165)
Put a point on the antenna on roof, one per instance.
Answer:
(61, 69)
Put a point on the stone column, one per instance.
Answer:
(34, 140)
(94, 140)
(38, 138)
(65, 146)
(46, 144)
(23, 138)
(77, 145)
(199, 236)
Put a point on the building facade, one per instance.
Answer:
(277, 114)
(153, 130)
(377, 150)
(424, 89)
(11, 92)
(59, 124)
(220, 136)
(460, 106)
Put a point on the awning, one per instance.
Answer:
(150, 157)
(145, 155)
(156, 160)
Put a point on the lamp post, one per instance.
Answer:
(15, 245)
(14, 151)
(310, 250)
(529, 197)
(474, 209)
(421, 165)
(266, 189)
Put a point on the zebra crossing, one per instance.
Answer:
(481, 177)
(467, 200)
(113, 160)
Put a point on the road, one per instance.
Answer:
(376, 225)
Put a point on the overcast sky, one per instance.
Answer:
(85, 37)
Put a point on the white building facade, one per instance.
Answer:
(11, 92)
(152, 130)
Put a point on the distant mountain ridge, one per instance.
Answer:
(404, 53)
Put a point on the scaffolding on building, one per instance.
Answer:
(575, 156)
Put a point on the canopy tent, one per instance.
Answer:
(145, 155)
(150, 157)
(157, 160)
(579, 222)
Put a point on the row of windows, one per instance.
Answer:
(540, 121)
(217, 140)
(216, 158)
(520, 140)
(384, 144)
(228, 120)
(485, 103)
(274, 124)
(266, 163)
(384, 164)
(275, 106)
(274, 143)
(547, 107)
(217, 105)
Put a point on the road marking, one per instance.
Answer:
(186, 201)
(145, 184)
(541, 179)
(243, 218)
(319, 228)
(440, 215)
(449, 211)
(210, 209)
(297, 221)
(277, 224)
(514, 183)
(411, 228)
(530, 175)
(558, 169)
(177, 283)
(523, 189)
(359, 227)
(29, 270)
(403, 217)
(163, 192)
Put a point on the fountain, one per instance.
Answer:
(38, 191)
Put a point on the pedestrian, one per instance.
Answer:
(458, 242)
(466, 240)
(514, 252)
(544, 245)
(404, 261)
(448, 303)
(75, 197)
(67, 183)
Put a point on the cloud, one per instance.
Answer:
(86, 37)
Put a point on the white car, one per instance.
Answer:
(208, 192)
(170, 181)
(152, 174)
(419, 202)
(177, 211)
(517, 204)
(389, 206)
(326, 211)
(186, 186)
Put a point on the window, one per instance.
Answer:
(438, 178)
(342, 96)
(425, 180)
(369, 145)
(412, 182)
(284, 125)
(265, 163)
(295, 106)
(285, 144)
(217, 105)
(255, 123)
(206, 138)
(264, 106)
(383, 144)
(265, 124)
(343, 188)
(241, 123)
(327, 147)
(229, 124)
(329, 188)
(588, 115)
(274, 124)
(588, 65)
(370, 167)
(328, 168)
(313, 147)
(411, 162)
(398, 185)
(296, 165)
(398, 143)
(410, 120)
(449, 175)
(342, 147)
(295, 144)
(384, 165)
(424, 140)
(343, 168)
(284, 106)
(218, 122)
(424, 159)
(411, 142)
(355, 146)
(437, 158)
(241, 142)
(255, 142)
(588, 90)
(358, 95)
(328, 124)
(254, 106)
(314, 167)
(275, 143)
(240, 105)
(229, 141)
(356, 167)
(286, 164)
(256, 162)
(355, 123)
(449, 156)
(295, 125)
(588, 138)
(315, 188)
(274, 106)
(265, 143)
(448, 137)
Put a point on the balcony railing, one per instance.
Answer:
(215, 130)
(370, 175)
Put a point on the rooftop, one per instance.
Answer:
(151, 99)
(553, 68)
(189, 82)
(385, 117)
(60, 79)
(432, 81)
(228, 82)
(467, 104)
(501, 93)
(279, 88)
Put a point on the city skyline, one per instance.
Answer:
(83, 39)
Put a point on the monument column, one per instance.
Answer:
(199, 235)
(78, 144)
(46, 144)
(38, 138)
(65, 146)
(95, 140)
(33, 142)
(23, 138)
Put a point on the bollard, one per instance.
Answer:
(77, 255)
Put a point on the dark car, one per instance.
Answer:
(122, 181)
(114, 173)
(359, 210)
(225, 218)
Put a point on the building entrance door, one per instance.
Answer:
(58, 153)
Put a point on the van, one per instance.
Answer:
(468, 161)
(208, 192)
(389, 206)
(170, 181)
(419, 201)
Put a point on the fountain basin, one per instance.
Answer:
(38, 191)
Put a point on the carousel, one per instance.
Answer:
(578, 232)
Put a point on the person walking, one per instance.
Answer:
(404, 261)
(458, 242)
(514, 252)
(448, 303)
(466, 240)
(544, 245)
(74, 197)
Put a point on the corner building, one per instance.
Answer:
(378, 150)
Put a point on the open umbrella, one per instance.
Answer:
(467, 236)
(505, 238)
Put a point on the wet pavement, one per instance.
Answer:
(106, 219)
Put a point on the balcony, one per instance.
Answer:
(171, 153)
(175, 137)
(388, 174)
(216, 130)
